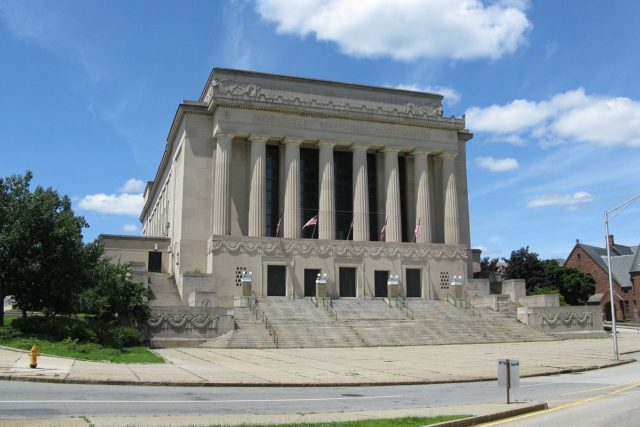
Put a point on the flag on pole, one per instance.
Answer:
(384, 229)
(350, 228)
(278, 226)
(417, 231)
(313, 221)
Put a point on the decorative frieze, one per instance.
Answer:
(231, 90)
(182, 321)
(566, 319)
(329, 249)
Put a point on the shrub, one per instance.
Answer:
(56, 328)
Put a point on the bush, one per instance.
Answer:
(127, 336)
(113, 335)
(55, 328)
(72, 330)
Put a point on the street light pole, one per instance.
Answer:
(612, 295)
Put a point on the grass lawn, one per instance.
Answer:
(392, 422)
(76, 350)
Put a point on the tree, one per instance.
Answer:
(112, 295)
(575, 286)
(14, 192)
(489, 264)
(41, 248)
(524, 264)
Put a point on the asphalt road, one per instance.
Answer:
(587, 391)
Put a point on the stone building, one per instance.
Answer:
(625, 268)
(259, 156)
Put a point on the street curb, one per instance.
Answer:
(26, 378)
(480, 419)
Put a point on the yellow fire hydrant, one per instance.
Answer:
(34, 356)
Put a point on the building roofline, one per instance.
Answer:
(312, 80)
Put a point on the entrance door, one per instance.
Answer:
(276, 281)
(414, 287)
(380, 279)
(155, 262)
(310, 275)
(347, 281)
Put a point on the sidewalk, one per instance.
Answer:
(326, 367)
(481, 413)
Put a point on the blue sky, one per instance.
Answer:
(549, 88)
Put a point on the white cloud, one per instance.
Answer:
(133, 186)
(129, 228)
(568, 116)
(451, 96)
(113, 204)
(566, 200)
(497, 165)
(405, 29)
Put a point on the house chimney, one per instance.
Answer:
(611, 243)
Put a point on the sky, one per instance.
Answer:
(88, 91)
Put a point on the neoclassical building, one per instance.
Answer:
(289, 177)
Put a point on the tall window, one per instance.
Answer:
(402, 175)
(272, 173)
(372, 177)
(343, 171)
(309, 189)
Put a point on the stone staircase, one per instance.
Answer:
(298, 323)
(164, 292)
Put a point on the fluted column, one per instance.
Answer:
(327, 214)
(393, 231)
(292, 188)
(423, 204)
(451, 222)
(257, 206)
(222, 185)
(360, 194)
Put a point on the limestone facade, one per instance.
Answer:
(259, 155)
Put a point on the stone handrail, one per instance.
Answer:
(271, 329)
(327, 303)
(404, 307)
(464, 304)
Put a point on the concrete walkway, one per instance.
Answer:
(481, 413)
(326, 366)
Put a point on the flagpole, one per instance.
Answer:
(350, 228)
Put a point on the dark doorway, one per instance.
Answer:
(380, 279)
(155, 262)
(276, 281)
(347, 281)
(414, 288)
(310, 275)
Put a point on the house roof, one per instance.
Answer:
(595, 298)
(635, 264)
(624, 260)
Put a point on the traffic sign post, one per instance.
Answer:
(508, 375)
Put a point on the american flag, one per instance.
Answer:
(384, 229)
(313, 221)
(278, 226)
(417, 230)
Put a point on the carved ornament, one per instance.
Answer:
(228, 89)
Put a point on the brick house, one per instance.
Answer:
(625, 266)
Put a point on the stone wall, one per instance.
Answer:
(563, 320)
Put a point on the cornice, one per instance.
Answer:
(253, 96)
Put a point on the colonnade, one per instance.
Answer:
(291, 227)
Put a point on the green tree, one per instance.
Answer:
(41, 247)
(489, 264)
(575, 286)
(113, 296)
(524, 264)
